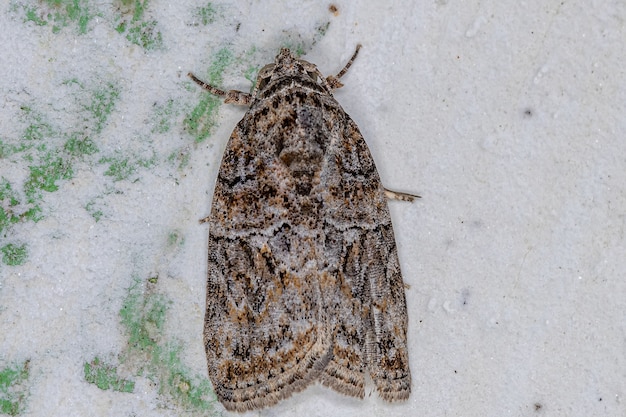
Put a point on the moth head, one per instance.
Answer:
(286, 64)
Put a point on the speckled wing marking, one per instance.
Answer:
(369, 301)
(304, 282)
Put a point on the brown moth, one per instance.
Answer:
(304, 282)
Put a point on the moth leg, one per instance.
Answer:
(232, 97)
(396, 195)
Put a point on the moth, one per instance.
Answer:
(304, 282)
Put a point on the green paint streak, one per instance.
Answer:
(253, 70)
(14, 255)
(143, 318)
(13, 390)
(143, 315)
(203, 117)
(105, 377)
(223, 58)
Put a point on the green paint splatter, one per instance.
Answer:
(105, 377)
(78, 146)
(93, 210)
(51, 154)
(13, 390)
(139, 31)
(145, 35)
(32, 15)
(8, 202)
(37, 129)
(175, 238)
(143, 317)
(139, 7)
(251, 74)
(76, 11)
(120, 167)
(223, 58)
(163, 116)
(9, 149)
(60, 13)
(56, 164)
(14, 255)
(203, 117)
(206, 15)
(180, 158)
(102, 102)
(34, 214)
(322, 29)
(44, 177)
(143, 314)
(147, 163)
(121, 28)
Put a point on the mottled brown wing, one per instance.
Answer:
(370, 315)
(267, 333)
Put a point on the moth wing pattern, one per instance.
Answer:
(304, 281)
(370, 304)
(265, 333)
